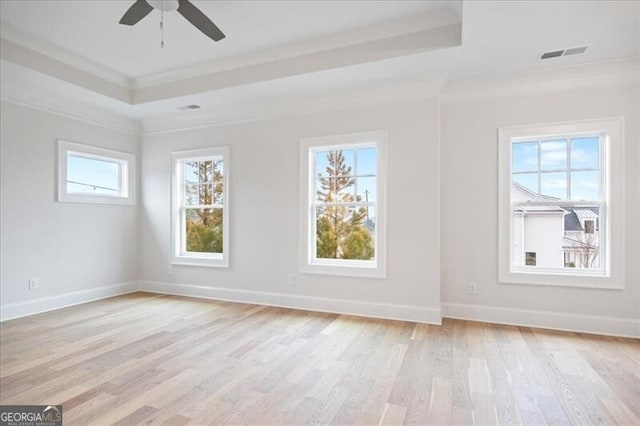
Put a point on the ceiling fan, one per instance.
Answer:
(142, 8)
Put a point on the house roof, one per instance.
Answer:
(539, 209)
(574, 217)
(572, 220)
(532, 194)
(586, 213)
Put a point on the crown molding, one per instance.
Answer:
(538, 82)
(34, 90)
(380, 94)
(402, 90)
(129, 127)
(23, 86)
(581, 77)
(441, 17)
(36, 44)
(45, 64)
(372, 51)
(438, 29)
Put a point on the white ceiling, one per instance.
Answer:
(509, 36)
(500, 39)
(90, 28)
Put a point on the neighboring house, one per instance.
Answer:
(581, 236)
(553, 236)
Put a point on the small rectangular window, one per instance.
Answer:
(200, 207)
(87, 174)
(530, 258)
(569, 259)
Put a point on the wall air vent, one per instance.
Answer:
(565, 52)
(189, 107)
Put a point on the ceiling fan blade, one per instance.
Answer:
(139, 10)
(199, 20)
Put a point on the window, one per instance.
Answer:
(530, 258)
(569, 259)
(87, 174)
(200, 207)
(343, 204)
(589, 227)
(560, 188)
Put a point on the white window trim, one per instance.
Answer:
(218, 260)
(127, 176)
(349, 268)
(613, 185)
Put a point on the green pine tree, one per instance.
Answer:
(340, 230)
(204, 225)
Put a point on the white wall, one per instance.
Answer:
(80, 247)
(264, 211)
(469, 164)
(68, 247)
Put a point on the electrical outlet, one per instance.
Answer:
(292, 280)
(33, 283)
(473, 287)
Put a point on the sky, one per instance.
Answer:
(549, 163)
(93, 176)
(363, 163)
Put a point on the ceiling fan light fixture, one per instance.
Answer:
(164, 5)
(141, 8)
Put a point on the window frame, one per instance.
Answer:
(126, 173)
(603, 242)
(342, 267)
(183, 257)
(611, 276)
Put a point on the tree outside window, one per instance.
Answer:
(344, 227)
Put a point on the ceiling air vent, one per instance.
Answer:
(554, 54)
(189, 107)
(575, 51)
(565, 52)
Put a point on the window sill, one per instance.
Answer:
(95, 199)
(207, 263)
(574, 280)
(344, 271)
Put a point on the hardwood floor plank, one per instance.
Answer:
(155, 359)
(440, 402)
(393, 414)
(137, 416)
(90, 411)
(375, 399)
(621, 414)
(571, 404)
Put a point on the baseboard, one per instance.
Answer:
(44, 304)
(608, 326)
(310, 303)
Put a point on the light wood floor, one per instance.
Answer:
(156, 359)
